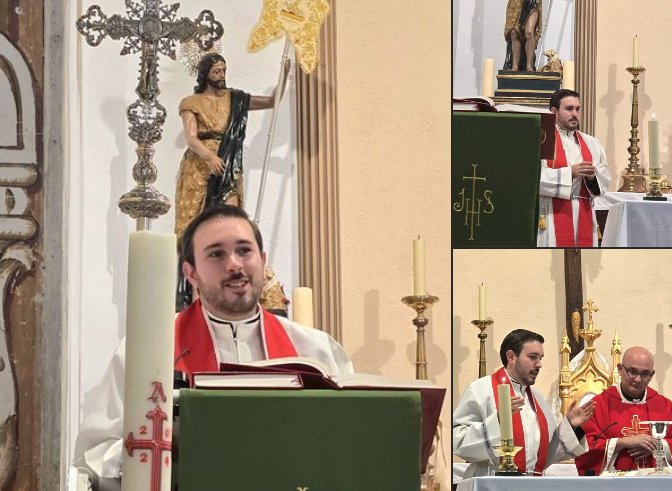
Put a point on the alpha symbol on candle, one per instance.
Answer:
(158, 392)
(472, 210)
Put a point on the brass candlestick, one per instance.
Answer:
(508, 451)
(419, 303)
(633, 180)
(655, 179)
(482, 325)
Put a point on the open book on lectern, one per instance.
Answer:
(297, 373)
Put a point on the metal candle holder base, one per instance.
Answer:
(654, 192)
(419, 304)
(508, 451)
(633, 181)
(482, 325)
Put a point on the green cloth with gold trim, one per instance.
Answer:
(284, 440)
(496, 165)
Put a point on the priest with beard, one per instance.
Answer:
(476, 423)
(628, 444)
(224, 260)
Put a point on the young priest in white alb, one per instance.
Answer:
(571, 181)
(476, 427)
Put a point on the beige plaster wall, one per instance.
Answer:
(394, 146)
(618, 21)
(525, 289)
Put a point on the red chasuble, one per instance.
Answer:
(563, 217)
(520, 459)
(628, 418)
(195, 348)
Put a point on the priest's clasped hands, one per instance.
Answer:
(639, 446)
(583, 169)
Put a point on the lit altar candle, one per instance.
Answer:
(654, 144)
(635, 51)
(505, 417)
(302, 306)
(568, 75)
(481, 302)
(419, 267)
(487, 83)
(150, 328)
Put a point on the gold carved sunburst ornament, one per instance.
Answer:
(299, 20)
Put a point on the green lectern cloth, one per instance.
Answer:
(495, 159)
(317, 440)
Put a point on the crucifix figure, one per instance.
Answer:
(573, 300)
(151, 28)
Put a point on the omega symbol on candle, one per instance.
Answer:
(472, 205)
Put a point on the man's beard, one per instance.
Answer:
(217, 84)
(224, 306)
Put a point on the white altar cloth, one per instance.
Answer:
(639, 224)
(607, 200)
(555, 470)
(565, 483)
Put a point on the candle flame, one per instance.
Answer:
(653, 116)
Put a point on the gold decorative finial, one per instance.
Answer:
(590, 334)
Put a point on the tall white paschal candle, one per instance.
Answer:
(635, 52)
(148, 393)
(302, 306)
(487, 84)
(654, 144)
(481, 302)
(505, 416)
(568, 75)
(419, 287)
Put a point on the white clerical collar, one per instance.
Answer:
(245, 325)
(567, 133)
(631, 400)
(522, 387)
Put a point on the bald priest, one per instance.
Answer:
(618, 432)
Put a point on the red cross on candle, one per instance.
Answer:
(156, 445)
(637, 429)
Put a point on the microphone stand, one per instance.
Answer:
(589, 471)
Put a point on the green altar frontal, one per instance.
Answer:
(284, 440)
(496, 168)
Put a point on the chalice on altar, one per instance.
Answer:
(658, 431)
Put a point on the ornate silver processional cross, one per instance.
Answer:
(153, 29)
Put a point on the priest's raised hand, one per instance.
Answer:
(577, 415)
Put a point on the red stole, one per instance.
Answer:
(195, 349)
(628, 418)
(500, 377)
(563, 217)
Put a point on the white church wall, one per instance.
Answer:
(614, 84)
(478, 33)
(101, 86)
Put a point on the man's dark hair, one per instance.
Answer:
(219, 211)
(560, 95)
(204, 67)
(515, 340)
